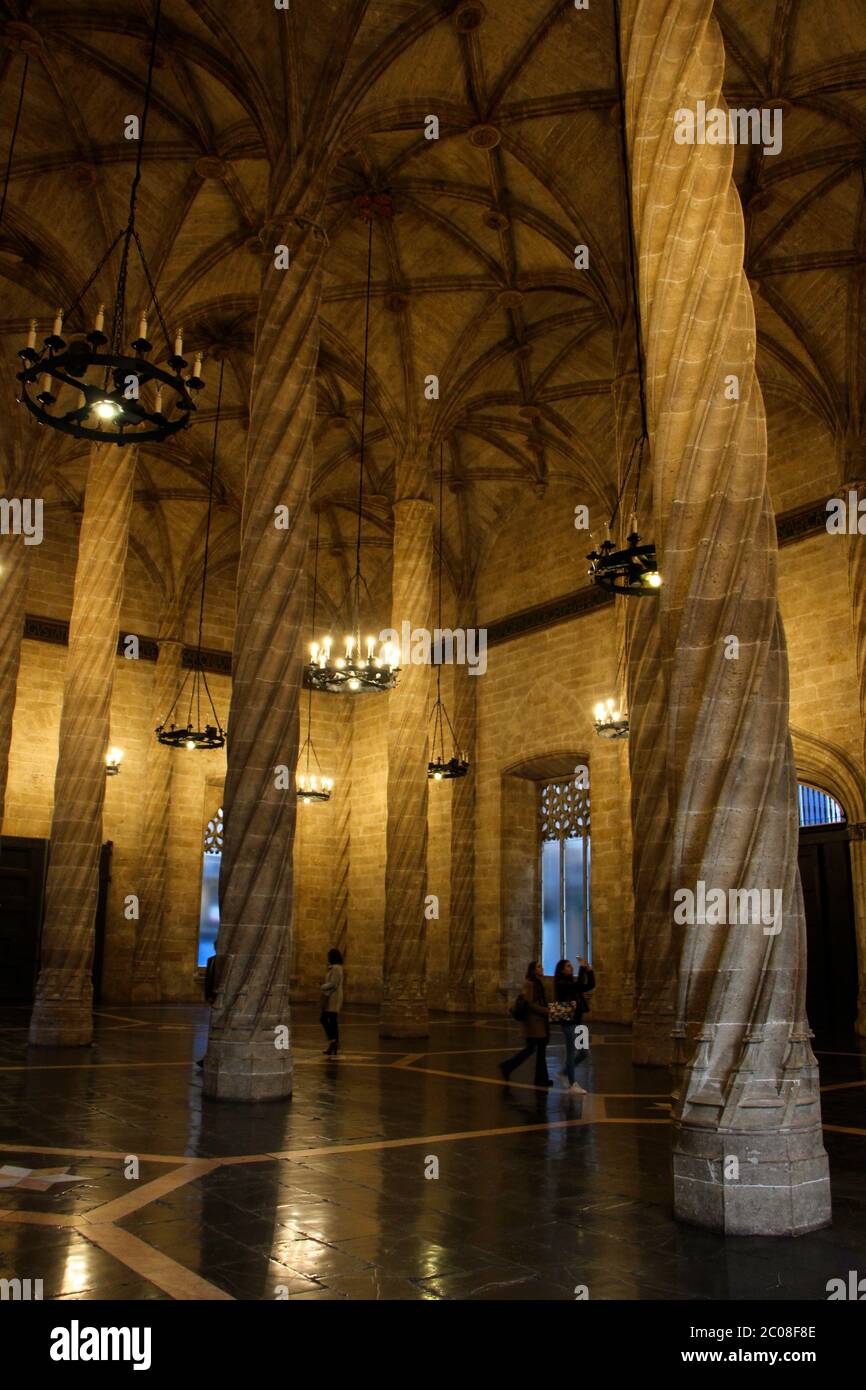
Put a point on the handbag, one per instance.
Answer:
(562, 1012)
(520, 1008)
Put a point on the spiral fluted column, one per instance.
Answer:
(246, 1058)
(146, 986)
(404, 985)
(654, 961)
(14, 565)
(342, 802)
(853, 478)
(62, 1013)
(461, 940)
(748, 1152)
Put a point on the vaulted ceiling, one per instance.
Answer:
(473, 279)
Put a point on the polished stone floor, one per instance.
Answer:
(118, 1182)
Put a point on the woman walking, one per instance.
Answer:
(332, 1001)
(570, 990)
(536, 1027)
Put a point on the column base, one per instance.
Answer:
(782, 1187)
(247, 1071)
(398, 1022)
(61, 1023)
(651, 1042)
(145, 992)
(460, 1000)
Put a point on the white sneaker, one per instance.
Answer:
(578, 1089)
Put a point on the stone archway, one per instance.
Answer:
(829, 767)
(520, 885)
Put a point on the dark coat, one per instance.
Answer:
(575, 988)
(536, 1023)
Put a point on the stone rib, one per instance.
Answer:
(256, 877)
(748, 1078)
(64, 994)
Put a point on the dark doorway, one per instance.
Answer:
(831, 982)
(23, 866)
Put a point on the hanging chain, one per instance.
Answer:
(356, 616)
(313, 625)
(216, 427)
(633, 276)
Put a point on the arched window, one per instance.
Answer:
(213, 834)
(209, 911)
(566, 918)
(817, 807)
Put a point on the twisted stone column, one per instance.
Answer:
(246, 1058)
(461, 941)
(62, 1014)
(404, 985)
(14, 565)
(655, 966)
(748, 1153)
(146, 987)
(342, 800)
(852, 473)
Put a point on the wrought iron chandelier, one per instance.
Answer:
(440, 768)
(99, 386)
(633, 570)
(196, 732)
(358, 670)
(312, 786)
(610, 722)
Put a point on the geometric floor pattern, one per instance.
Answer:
(390, 1174)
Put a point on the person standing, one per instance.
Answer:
(332, 1001)
(536, 1027)
(569, 991)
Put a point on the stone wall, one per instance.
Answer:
(535, 711)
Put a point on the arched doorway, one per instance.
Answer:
(825, 873)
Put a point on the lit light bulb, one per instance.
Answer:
(107, 410)
(371, 642)
(437, 776)
(599, 712)
(653, 579)
(339, 663)
(314, 649)
(306, 801)
(354, 683)
(190, 744)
